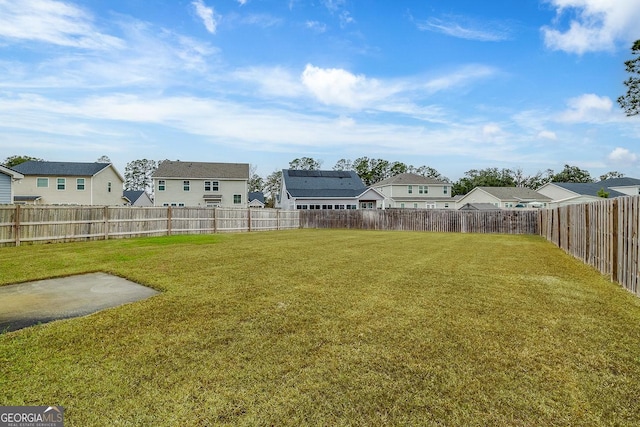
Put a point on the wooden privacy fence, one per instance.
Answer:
(602, 234)
(499, 221)
(33, 224)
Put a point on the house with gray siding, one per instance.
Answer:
(322, 189)
(69, 183)
(410, 190)
(7, 179)
(206, 184)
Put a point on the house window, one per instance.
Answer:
(211, 186)
(423, 189)
(351, 207)
(80, 184)
(402, 205)
(109, 187)
(162, 185)
(62, 183)
(186, 185)
(43, 182)
(446, 189)
(237, 199)
(446, 205)
(415, 206)
(410, 189)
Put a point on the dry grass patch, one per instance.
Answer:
(332, 328)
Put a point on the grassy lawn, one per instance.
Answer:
(323, 327)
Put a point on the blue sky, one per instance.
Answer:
(454, 85)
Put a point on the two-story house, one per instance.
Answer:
(7, 178)
(69, 183)
(322, 189)
(505, 198)
(178, 183)
(410, 190)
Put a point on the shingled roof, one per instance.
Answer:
(320, 183)
(514, 193)
(32, 167)
(178, 169)
(590, 188)
(409, 179)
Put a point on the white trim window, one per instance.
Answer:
(80, 184)
(61, 184)
(42, 182)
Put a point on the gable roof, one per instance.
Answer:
(178, 169)
(513, 193)
(479, 207)
(256, 195)
(319, 183)
(32, 167)
(619, 182)
(409, 179)
(12, 173)
(132, 195)
(588, 189)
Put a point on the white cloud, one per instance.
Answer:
(207, 14)
(316, 26)
(546, 134)
(334, 86)
(593, 25)
(242, 2)
(465, 28)
(588, 108)
(55, 22)
(622, 156)
(459, 77)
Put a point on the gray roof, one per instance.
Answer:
(618, 182)
(317, 183)
(514, 193)
(60, 168)
(178, 169)
(409, 179)
(132, 195)
(256, 195)
(479, 207)
(589, 188)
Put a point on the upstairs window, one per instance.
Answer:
(80, 184)
(410, 189)
(237, 199)
(62, 183)
(162, 185)
(43, 182)
(109, 187)
(446, 189)
(423, 189)
(186, 185)
(211, 186)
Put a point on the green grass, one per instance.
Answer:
(319, 327)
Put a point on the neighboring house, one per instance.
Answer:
(7, 178)
(505, 197)
(138, 198)
(256, 199)
(179, 183)
(69, 183)
(571, 193)
(479, 207)
(320, 189)
(410, 190)
(628, 186)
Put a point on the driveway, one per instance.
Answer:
(42, 301)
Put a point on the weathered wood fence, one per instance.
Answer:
(44, 224)
(499, 221)
(602, 234)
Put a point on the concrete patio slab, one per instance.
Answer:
(30, 303)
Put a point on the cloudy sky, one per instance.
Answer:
(455, 85)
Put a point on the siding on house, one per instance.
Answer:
(6, 197)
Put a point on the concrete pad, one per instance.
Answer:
(42, 301)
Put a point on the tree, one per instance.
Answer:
(103, 159)
(371, 171)
(630, 102)
(16, 160)
(305, 163)
(572, 174)
(138, 175)
(429, 172)
(610, 175)
(272, 188)
(490, 177)
(603, 193)
(256, 183)
(343, 165)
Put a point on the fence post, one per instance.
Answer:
(215, 220)
(614, 240)
(17, 225)
(106, 222)
(587, 237)
(249, 219)
(169, 220)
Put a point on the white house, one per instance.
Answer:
(570, 193)
(628, 186)
(69, 183)
(410, 190)
(179, 183)
(138, 198)
(505, 197)
(321, 189)
(7, 178)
